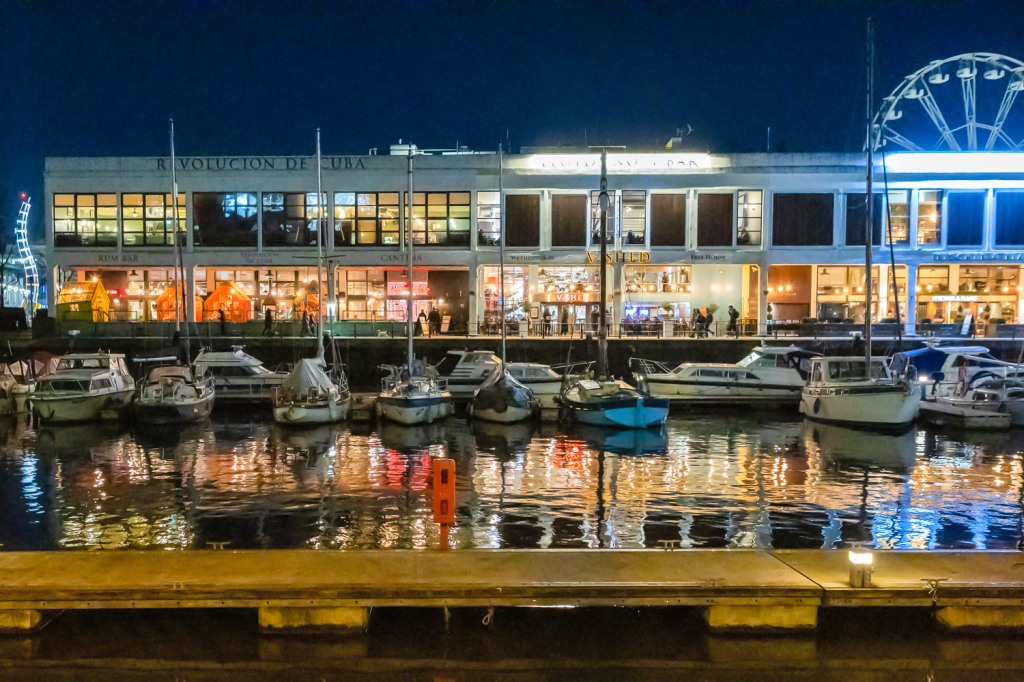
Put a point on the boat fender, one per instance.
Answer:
(817, 405)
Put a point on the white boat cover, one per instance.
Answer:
(305, 376)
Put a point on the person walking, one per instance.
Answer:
(421, 320)
(223, 322)
(733, 328)
(268, 322)
(595, 319)
(708, 319)
(546, 326)
(698, 323)
(435, 321)
(565, 321)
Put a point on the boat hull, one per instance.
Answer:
(166, 413)
(411, 410)
(639, 413)
(882, 407)
(509, 415)
(941, 413)
(77, 408)
(300, 413)
(683, 391)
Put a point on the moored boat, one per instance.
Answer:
(309, 396)
(466, 371)
(767, 376)
(172, 394)
(841, 391)
(976, 410)
(415, 399)
(612, 403)
(502, 399)
(239, 378)
(84, 387)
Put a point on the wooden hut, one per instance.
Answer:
(83, 302)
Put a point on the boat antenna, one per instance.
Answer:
(892, 257)
(179, 259)
(501, 249)
(319, 255)
(408, 229)
(870, 203)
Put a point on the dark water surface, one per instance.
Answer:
(707, 480)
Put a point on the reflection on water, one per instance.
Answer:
(707, 480)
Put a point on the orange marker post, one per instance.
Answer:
(444, 496)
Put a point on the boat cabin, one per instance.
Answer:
(847, 369)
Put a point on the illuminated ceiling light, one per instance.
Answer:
(956, 162)
(788, 287)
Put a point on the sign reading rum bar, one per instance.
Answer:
(620, 256)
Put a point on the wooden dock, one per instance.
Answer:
(315, 589)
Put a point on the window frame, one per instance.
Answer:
(167, 232)
(308, 218)
(427, 219)
(236, 220)
(76, 220)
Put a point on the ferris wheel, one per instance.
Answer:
(962, 103)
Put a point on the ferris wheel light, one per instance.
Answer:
(956, 162)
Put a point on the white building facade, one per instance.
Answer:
(778, 236)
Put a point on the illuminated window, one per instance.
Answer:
(290, 218)
(634, 217)
(488, 218)
(85, 220)
(898, 231)
(748, 218)
(221, 219)
(929, 216)
(441, 218)
(595, 218)
(146, 219)
(366, 219)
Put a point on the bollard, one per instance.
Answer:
(444, 496)
(860, 569)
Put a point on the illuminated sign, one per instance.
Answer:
(402, 289)
(620, 256)
(944, 299)
(618, 164)
(572, 298)
(956, 162)
(982, 256)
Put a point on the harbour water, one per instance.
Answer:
(714, 479)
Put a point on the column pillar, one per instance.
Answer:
(189, 293)
(473, 310)
(884, 287)
(762, 298)
(618, 307)
(911, 320)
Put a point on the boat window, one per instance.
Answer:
(750, 376)
(816, 376)
(751, 360)
(258, 370)
(781, 361)
(100, 384)
(63, 385)
(83, 363)
(711, 373)
(984, 396)
(230, 371)
(1015, 394)
(445, 367)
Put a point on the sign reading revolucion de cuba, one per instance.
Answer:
(261, 163)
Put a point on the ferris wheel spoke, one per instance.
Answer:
(931, 107)
(891, 135)
(1004, 110)
(968, 84)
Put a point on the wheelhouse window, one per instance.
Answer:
(634, 217)
(929, 217)
(224, 219)
(84, 220)
(488, 218)
(147, 219)
(441, 218)
(291, 218)
(748, 217)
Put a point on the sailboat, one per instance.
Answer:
(878, 393)
(501, 398)
(413, 394)
(175, 394)
(310, 395)
(605, 401)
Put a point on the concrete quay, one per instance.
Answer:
(311, 590)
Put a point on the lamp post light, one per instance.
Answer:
(861, 568)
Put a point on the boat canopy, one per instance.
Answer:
(169, 371)
(306, 375)
(931, 359)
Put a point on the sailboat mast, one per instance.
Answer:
(501, 249)
(320, 232)
(870, 203)
(408, 229)
(179, 258)
(602, 329)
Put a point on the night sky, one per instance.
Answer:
(257, 77)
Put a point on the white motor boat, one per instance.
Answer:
(768, 376)
(947, 370)
(976, 409)
(612, 403)
(502, 399)
(467, 371)
(841, 391)
(417, 399)
(309, 396)
(171, 394)
(84, 387)
(1006, 394)
(238, 378)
